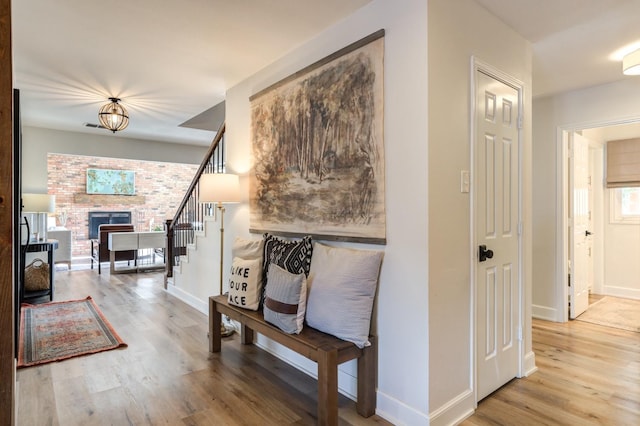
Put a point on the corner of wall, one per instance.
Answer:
(455, 410)
(544, 313)
(529, 364)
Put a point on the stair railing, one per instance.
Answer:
(189, 216)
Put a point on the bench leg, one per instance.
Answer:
(327, 387)
(246, 335)
(215, 323)
(367, 372)
(112, 262)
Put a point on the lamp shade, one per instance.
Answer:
(38, 203)
(631, 63)
(219, 188)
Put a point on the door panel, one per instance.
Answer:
(496, 228)
(579, 238)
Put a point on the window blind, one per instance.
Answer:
(623, 163)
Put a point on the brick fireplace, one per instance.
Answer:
(159, 188)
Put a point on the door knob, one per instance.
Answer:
(587, 233)
(484, 253)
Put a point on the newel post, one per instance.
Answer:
(168, 253)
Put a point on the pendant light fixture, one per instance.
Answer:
(631, 63)
(113, 116)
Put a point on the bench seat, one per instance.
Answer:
(326, 350)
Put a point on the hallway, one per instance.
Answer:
(587, 375)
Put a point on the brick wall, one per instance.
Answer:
(159, 189)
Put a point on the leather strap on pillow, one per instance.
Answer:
(283, 308)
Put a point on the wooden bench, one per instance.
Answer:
(326, 350)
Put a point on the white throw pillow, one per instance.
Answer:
(247, 249)
(342, 286)
(245, 283)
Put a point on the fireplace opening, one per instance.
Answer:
(98, 218)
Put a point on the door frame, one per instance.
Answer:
(562, 197)
(7, 217)
(479, 66)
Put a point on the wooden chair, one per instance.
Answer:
(100, 247)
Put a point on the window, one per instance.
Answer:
(625, 205)
(623, 163)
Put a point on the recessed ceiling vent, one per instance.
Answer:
(94, 126)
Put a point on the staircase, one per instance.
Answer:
(187, 234)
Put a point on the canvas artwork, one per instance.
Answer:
(318, 152)
(111, 182)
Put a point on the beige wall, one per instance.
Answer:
(459, 30)
(402, 303)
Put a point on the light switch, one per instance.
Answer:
(464, 181)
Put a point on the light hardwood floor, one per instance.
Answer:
(588, 375)
(165, 376)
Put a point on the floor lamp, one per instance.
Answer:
(220, 188)
(39, 205)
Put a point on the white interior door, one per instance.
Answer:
(580, 265)
(496, 207)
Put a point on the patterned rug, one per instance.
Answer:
(61, 330)
(614, 312)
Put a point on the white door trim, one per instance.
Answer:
(478, 65)
(562, 194)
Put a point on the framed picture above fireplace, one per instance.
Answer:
(111, 182)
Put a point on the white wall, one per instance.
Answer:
(37, 142)
(621, 254)
(592, 107)
(402, 305)
(457, 31)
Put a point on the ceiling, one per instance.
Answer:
(171, 62)
(576, 43)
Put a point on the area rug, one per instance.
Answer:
(614, 312)
(61, 330)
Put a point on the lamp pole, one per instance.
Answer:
(221, 209)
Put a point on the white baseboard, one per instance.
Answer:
(347, 383)
(454, 411)
(624, 292)
(544, 313)
(529, 364)
(399, 413)
(189, 299)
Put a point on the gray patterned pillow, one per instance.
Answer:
(285, 299)
(293, 256)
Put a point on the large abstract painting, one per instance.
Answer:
(318, 152)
